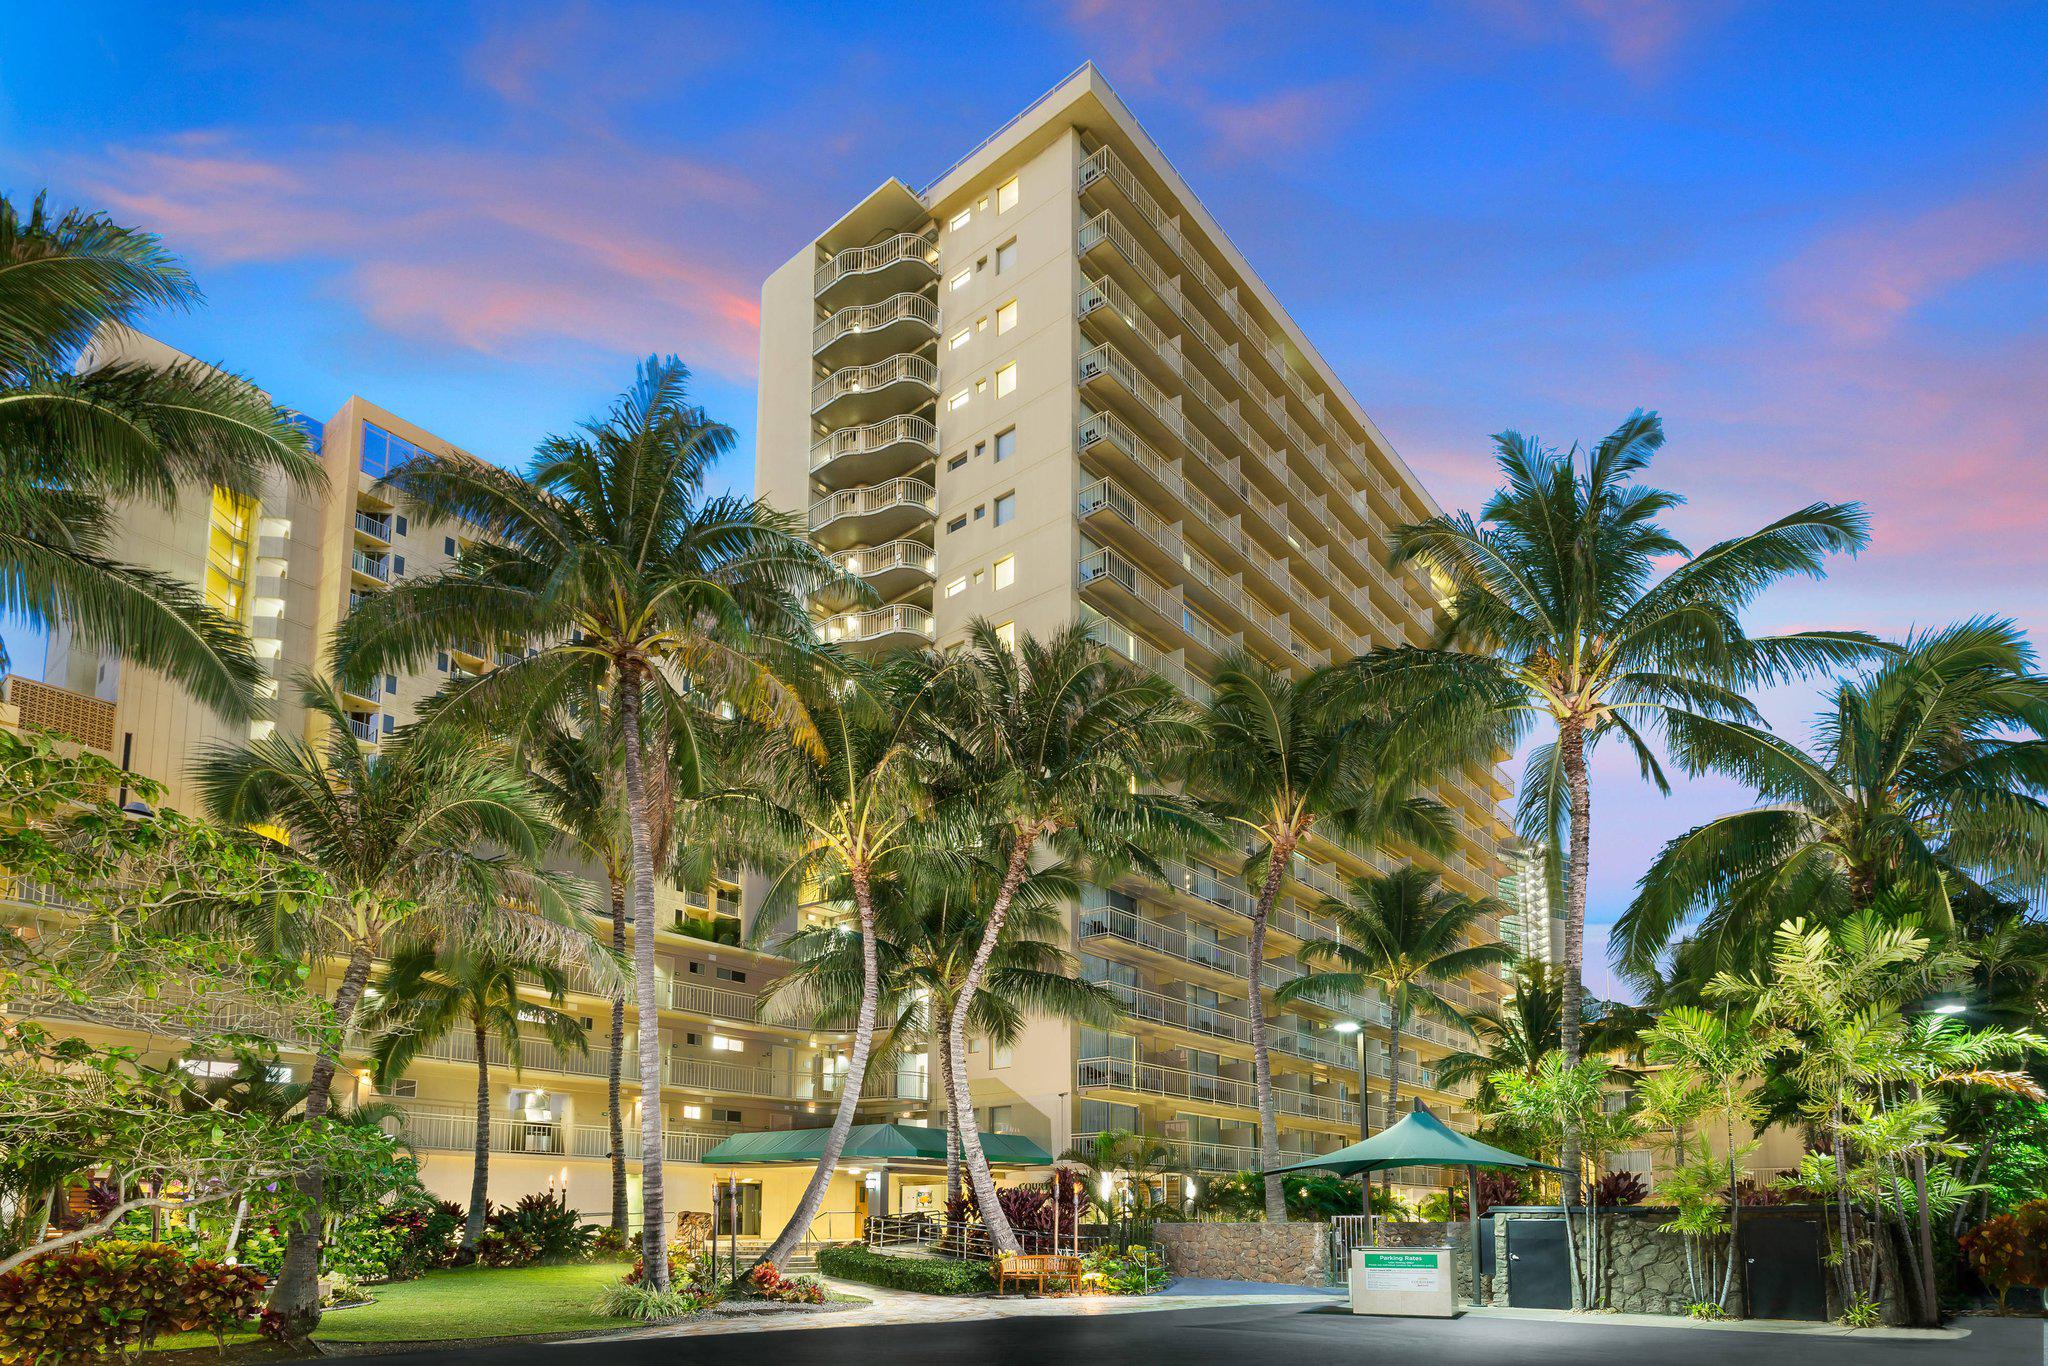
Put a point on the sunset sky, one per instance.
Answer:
(1815, 237)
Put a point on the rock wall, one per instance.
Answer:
(1282, 1254)
(1458, 1235)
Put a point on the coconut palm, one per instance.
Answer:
(626, 578)
(73, 446)
(436, 834)
(1556, 613)
(1051, 745)
(1120, 1172)
(1514, 1037)
(431, 990)
(1410, 937)
(1284, 758)
(834, 796)
(1924, 780)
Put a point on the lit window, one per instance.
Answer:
(693, 1112)
(722, 1044)
(982, 203)
(1006, 444)
(1006, 379)
(961, 219)
(1006, 256)
(981, 386)
(960, 281)
(1006, 635)
(1006, 195)
(1006, 508)
(958, 340)
(957, 587)
(957, 402)
(1006, 571)
(1006, 317)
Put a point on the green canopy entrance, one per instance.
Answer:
(1419, 1140)
(870, 1143)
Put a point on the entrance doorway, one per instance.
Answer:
(747, 1207)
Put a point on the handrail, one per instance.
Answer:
(875, 436)
(868, 560)
(921, 247)
(858, 318)
(866, 379)
(871, 498)
(878, 622)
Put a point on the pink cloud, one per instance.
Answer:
(1281, 121)
(1636, 37)
(1858, 284)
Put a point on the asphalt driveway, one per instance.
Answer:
(1283, 1335)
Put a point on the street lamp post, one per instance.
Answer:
(1356, 1028)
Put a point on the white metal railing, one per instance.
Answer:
(1198, 1017)
(866, 379)
(918, 247)
(1102, 919)
(375, 566)
(876, 436)
(874, 624)
(1105, 496)
(873, 498)
(366, 731)
(862, 318)
(380, 527)
(1138, 1076)
(1106, 566)
(869, 560)
(1108, 427)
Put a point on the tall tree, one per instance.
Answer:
(1924, 780)
(1557, 613)
(1284, 757)
(429, 991)
(625, 577)
(1052, 746)
(73, 446)
(1410, 937)
(436, 835)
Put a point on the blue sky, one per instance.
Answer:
(1814, 236)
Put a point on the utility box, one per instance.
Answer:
(1415, 1282)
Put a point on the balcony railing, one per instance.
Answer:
(879, 623)
(873, 498)
(867, 379)
(863, 318)
(452, 1131)
(1103, 920)
(1108, 567)
(366, 731)
(379, 527)
(876, 436)
(872, 560)
(1140, 1077)
(373, 566)
(903, 248)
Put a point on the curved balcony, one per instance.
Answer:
(865, 332)
(891, 570)
(863, 393)
(897, 624)
(872, 515)
(878, 450)
(906, 260)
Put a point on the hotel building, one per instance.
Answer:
(1048, 387)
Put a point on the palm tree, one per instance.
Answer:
(1924, 780)
(1528, 1024)
(1556, 612)
(629, 581)
(1284, 758)
(1405, 934)
(429, 991)
(1050, 746)
(435, 836)
(73, 445)
(834, 797)
(1119, 1171)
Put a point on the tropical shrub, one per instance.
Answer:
(687, 1270)
(112, 1296)
(2010, 1249)
(1620, 1188)
(262, 1247)
(429, 1233)
(364, 1249)
(925, 1275)
(608, 1244)
(556, 1232)
(1137, 1270)
(765, 1282)
(631, 1300)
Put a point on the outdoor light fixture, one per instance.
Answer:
(1347, 1026)
(1949, 1005)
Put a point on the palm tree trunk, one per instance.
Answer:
(1571, 739)
(616, 1066)
(1001, 1236)
(480, 1158)
(296, 1296)
(952, 1129)
(653, 1211)
(1926, 1230)
(1393, 1083)
(1734, 1220)
(1262, 1062)
(799, 1224)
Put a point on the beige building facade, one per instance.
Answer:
(1046, 388)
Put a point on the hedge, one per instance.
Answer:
(926, 1275)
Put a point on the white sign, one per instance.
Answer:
(1410, 1271)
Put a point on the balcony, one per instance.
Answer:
(1108, 438)
(455, 1131)
(864, 393)
(891, 570)
(1102, 921)
(1139, 1077)
(1120, 639)
(874, 514)
(376, 526)
(1201, 1156)
(1114, 580)
(905, 261)
(741, 1079)
(375, 568)
(364, 729)
(1114, 514)
(897, 624)
(878, 450)
(865, 332)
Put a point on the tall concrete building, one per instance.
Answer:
(1048, 387)
(1535, 930)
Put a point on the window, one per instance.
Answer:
(1006, 317)
(999, 1055)
(957, 524)
(979, 447)
(1006, 195)
(693, 1112)
(955, 463)
(980, 511)
(1006, 379)
(1006, 635)
(1006, 257)
(407, 1089)
(1006, 508)
(725, 1116)
(958, 339)
(398, 564)
(957, 587)
(401, 523)
(1006, 444)
(961, 219)
(391, 683)
(447, 545)
(721, 1043)
(441, 661)
(981, 386)
(731, 975)
(1006, 571)
(960, 281)
(390, 723)
(957, 401)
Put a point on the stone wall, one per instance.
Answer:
(1283, 1254)
(1458, 1236)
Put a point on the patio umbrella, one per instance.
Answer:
(1423, 1140)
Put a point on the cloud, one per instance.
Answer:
(1638, 38)
(1277, 123)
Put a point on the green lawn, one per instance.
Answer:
(471, 1302)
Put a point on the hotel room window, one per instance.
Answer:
(1006, 195)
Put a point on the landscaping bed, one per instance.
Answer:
(922, 1275)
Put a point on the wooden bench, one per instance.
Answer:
(1037, 1270)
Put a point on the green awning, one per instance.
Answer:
(870, 1143)
(1419, 1140)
